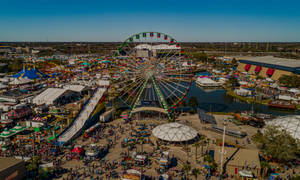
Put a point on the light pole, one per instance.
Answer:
(223, 144)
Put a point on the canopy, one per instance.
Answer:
(38, 119)
(6, 133)
(286, 98)
(174, 132)
(78, 150)
(86, 64)
(30, 73)
(243, 82)
(294, 90)
(270, 72)
(18, 113)
(106, 61)
(269, 80)
(54, 75)
(246, 173)
(247, 67)
(257, 69)
(18, 128)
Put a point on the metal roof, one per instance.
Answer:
(293, 63)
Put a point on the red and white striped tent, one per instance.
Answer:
(38, 119)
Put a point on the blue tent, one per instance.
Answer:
(30, 73)
(86, 64)
(54, 75)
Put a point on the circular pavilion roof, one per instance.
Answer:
(174, 132)
(289, 123)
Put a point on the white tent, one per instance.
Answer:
(246, 173)
(243, 82)
(269, 80)
(287, 98)
(174, 132)
(290, 124)
(242, 92)
(294, 90)
(3, 86)
(274, 85)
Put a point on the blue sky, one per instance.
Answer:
(115, 20)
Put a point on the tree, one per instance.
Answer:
(264, 166)
(277, 144)
(196, 145)
(196, 172)
(295, 178)
(234, 61)
(15, 65)
(193, 102)
(187, 169)
(289, 81)
(232, 81)
(211, 162)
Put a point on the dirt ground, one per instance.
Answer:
(177, 151)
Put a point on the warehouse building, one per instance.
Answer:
(269, 66)
(11, 168)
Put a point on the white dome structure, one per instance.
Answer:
(289, 123)
(174, 132)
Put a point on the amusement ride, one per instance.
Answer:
(155, 73)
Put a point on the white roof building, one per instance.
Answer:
(3, 86)
(76, 88)
(49, 96)
(289, 123)
(103, 83)
(174, 132)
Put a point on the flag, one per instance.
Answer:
(158, 35)
(144, 35)
(137, 36)
(151, 34)
(131, 39)
(177, 45)
(172, 41)
(166, 37)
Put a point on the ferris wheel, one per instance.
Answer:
(153, 71)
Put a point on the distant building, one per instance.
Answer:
(6, 49)
(269, 66)
(146, 50)
(237, 159)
